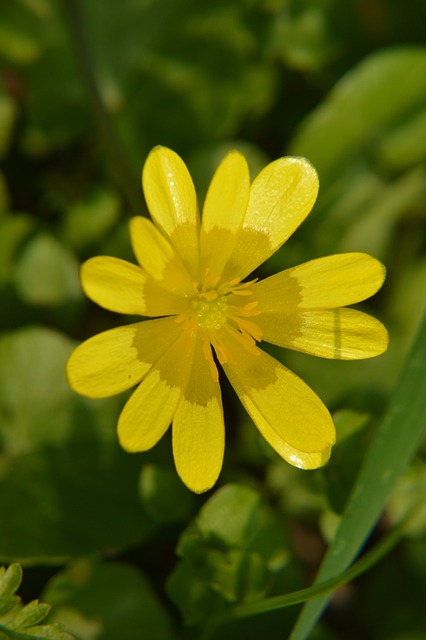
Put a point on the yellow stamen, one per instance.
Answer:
(210, 311)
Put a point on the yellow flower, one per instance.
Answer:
(191, 281)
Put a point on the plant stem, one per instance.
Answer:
(303, 595)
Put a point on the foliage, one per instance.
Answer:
(18, 622)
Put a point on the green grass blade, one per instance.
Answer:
(391, 450)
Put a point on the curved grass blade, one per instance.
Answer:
(391, 450)
(365, 563)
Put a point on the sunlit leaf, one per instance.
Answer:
(22, 622)
(108, 601)
(46, 273)
(66, 488)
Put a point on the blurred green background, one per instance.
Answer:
(86, 90)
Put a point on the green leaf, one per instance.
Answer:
(30, 615)
(324, 588)
(87, 221)
(237, 575)
(363, 110)
(108, 601)
(66, 487)
(366, 141)
(10, 579)
(230, 553)
(229, 517)
(19, 622)
(405, 146)
(46, 273)
(41, 632)
(391, 450)
(301, 36)
(192, 595)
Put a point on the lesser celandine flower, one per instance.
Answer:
(191, 280)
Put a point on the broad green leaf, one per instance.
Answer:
(373, 231)
(367, 143)
(390, 451)
(66, 487)
(231, 552)
(87, 221)
(230, 515)
(193, 596)
(107, 601)
(46, 273)
(365, 109)
(405, 146)
(236, 575)
(325, 588)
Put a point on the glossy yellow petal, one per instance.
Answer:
(224, 210)
(150, 410)
(158, 258)
(198, 427)
(171, 199)
(281, 197)
(325, 283)
(289, 415)
(294, 456)
(123, 287)
(116, 360)
(344, 334)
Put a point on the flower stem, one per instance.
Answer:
(303, 595)
(81, 43)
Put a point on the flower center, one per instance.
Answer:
(209, 314)
(219, 311)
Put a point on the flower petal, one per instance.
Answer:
(150, 410)
(198, 427)
(224, 210)
(344, 334)
(158, 258)
(123, 287)
(289, 415)
(281, 197)
(325, 283)
(171, 199)
(116, 360)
